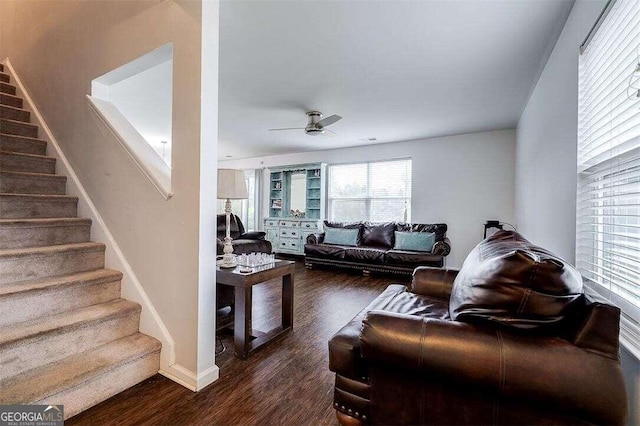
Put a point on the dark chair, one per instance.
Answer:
(243, 242)
(509, 339)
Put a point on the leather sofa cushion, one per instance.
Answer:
(416, 258)
(324, 250)
(440, 229)
(241, 246)
(378, 234)
(364, 254)
(507, 280)
(344, 347)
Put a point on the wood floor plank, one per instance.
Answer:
(287, 382)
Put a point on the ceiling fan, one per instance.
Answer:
(316, 125)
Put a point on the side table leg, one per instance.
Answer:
(242, 321)
(287, 301)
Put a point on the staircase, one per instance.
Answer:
(66, 336)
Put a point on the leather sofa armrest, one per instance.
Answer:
(254, 235)
(315, 238)
(442, 248)
(547, 370)
(433, 282)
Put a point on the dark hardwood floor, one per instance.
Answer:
(287, 382)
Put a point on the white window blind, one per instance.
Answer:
(608, 203)
(376, 191)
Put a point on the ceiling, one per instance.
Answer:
(394, 70)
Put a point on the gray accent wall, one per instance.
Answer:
(546, 158)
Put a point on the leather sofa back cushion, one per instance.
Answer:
(341, 236)
(508, 280)
(236, 227)
(415, 241)
(378, 234)
(440, 229)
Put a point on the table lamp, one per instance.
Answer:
(231, 186)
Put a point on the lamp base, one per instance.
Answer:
(221, 264)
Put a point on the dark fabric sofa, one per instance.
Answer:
(375, 251)
(509, 339)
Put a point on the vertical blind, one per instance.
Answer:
(608, 202)
(375, 191)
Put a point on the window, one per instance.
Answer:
(608, 203)
(245, 209)
(378, 191)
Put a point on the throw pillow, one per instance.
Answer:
(341, 236)
(415, 241)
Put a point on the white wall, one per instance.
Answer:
(546, 158)
(58, 47)
(460, 180)
(145, 99)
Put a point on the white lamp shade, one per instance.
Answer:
(231, 185)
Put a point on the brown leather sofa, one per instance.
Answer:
(510, 339)
(243, 242)
(374, 251)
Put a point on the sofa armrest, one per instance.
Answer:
(442, 247)
(545, 370)
(253, 235)
(315, 238)
(433, 282)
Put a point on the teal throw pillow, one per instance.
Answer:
(415, 241)
(341, 236)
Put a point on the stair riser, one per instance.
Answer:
(12, 237)
(5, 78)
(6, 99)
(36, 304)
(105, 386)
(18, 129)
(7, 88)
(16, 163)
(22, 268)
(24, 146)
(15, 114)
(54, 346)
(32, 185)
(24, 209)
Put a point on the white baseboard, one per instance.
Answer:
(188, 379)
(150, 321)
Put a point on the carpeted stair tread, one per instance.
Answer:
(14, 182)
(22, 233)
(7, 99)
(13, 113)
(18, 128)
(45, 251)
(38, 329)
(20, 161)
(39, 197)
(22, 144)
(56, 221)
(82, 278)
(5, 77)
(75, 371)
(48, 176)
(7, 88)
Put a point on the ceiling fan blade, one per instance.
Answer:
(330, 133)
(329, 120)
(287, 128)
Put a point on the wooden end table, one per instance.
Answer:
(244, 341)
